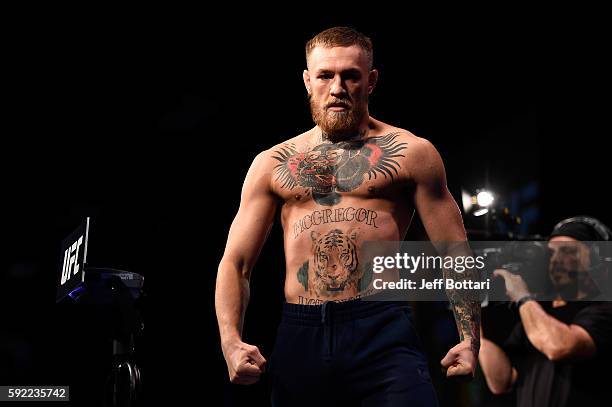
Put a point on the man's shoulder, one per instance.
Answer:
(271, 156)
(415, 147)
(385, 129)
(594, 307)
(417, 156)
(294, 143)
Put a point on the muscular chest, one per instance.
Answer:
(327, 173)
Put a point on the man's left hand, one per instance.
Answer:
(460, 360)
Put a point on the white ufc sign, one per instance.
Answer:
(74, 254)
(71, 265)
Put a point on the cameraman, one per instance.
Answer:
(559, 353)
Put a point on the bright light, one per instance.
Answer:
(466, 200)
(484, 198)
(481, 212)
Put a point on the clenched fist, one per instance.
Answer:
(245, 364)
(460, 360)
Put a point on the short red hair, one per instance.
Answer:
(341, 37)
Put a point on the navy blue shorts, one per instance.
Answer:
(354, 353)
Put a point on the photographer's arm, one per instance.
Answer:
(499, 373)
(555, 339)
(246, 238)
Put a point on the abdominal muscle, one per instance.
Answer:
(323, 252)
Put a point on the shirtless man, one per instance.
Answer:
(349, 179)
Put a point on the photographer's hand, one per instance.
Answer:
(516, 288)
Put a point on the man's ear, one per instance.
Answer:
(306, 77)
(372, 80)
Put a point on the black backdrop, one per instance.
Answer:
(148, 122)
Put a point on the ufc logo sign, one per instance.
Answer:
(71, 265)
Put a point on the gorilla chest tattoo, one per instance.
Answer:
(328, 170)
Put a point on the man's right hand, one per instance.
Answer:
(244, 362)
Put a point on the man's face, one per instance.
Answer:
(339, 81)
(569, 263)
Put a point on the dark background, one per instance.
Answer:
(147, 122)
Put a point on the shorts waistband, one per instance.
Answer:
(331, 312)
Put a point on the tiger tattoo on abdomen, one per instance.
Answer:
(335, 266)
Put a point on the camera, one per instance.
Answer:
(528, 259)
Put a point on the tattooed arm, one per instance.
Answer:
(246, 238)
(442, 220)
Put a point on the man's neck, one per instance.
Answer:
(359, 134)
(338, 137)
(559, 301)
